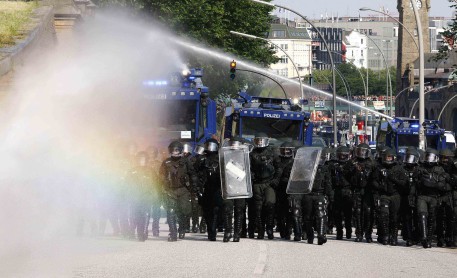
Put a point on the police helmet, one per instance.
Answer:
(286, 149)
(389, 157)
(431, 156)
(446, 155)
(261, 140)
(380, 152)
(199, 149)
(187, 148)
(211, 145)
(343, 153)
(412, 157)
(362, 151)
(175, 149)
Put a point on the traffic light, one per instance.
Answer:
(232, 69)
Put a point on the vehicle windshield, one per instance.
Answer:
(408, 140)
(170, 119)
(433, 141)
(278, 130)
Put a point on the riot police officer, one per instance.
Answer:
(341, 179)
(157, 201)
(315, 203)
(362, 192)
(211, 193)
(445, 212)
(141, 185)
(234, 209)
(431, 180)
(265, 172)
(197, 162)
(389, 181)
(408, 198)
(178, 181)
(286, 154)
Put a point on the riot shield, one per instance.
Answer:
(235, 172)
(304, 170)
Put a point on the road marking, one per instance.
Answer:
(261, 261)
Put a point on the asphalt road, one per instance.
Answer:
(194, 256)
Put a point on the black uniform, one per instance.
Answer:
(211, 193)
(315, 205)
(157, 200)
(284, 220)
(390, 180)
(342, 209)
(265, 176)
(362, 170)
(432, 180)
(141, 194)
(178, 180)
(445, 220)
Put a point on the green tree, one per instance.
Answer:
(353, 80)
(449, 35)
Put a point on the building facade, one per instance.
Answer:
(296, 42)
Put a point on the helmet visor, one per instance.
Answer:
(176, 152)
(187, 148)
(411, 159)
(361, 152)
(286, 151)
(261, 142)
(431, 158)
(211, 147)
(343, 156)
(199, 150)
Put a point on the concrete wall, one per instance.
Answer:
(40, 36)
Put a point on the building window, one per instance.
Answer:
(361, 41)
(284, 46)
(279, 34)
(283, 60)
(361, 52)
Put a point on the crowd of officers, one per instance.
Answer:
(415, 192)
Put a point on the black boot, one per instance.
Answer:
(297, 227)
(238, 224)
(358, 226)
(270, 219)
(430, 229)
(203, 225)
(423, 230)
(309, 231)
(321, 228)
(171, 219)
(212, 225)
(227, 225)
(259, 223)
(393, 234)
(383, 226)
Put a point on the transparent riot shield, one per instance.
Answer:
(235, 172)
(304, 170)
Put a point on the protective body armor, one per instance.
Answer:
(262, 164)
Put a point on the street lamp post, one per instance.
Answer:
(335, 127)
(421, 78)
(269, 41)
(390, 89)
(387, 71)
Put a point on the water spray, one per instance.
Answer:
(250, 66)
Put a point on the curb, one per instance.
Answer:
(14, 55)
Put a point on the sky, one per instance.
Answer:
(315, 9)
